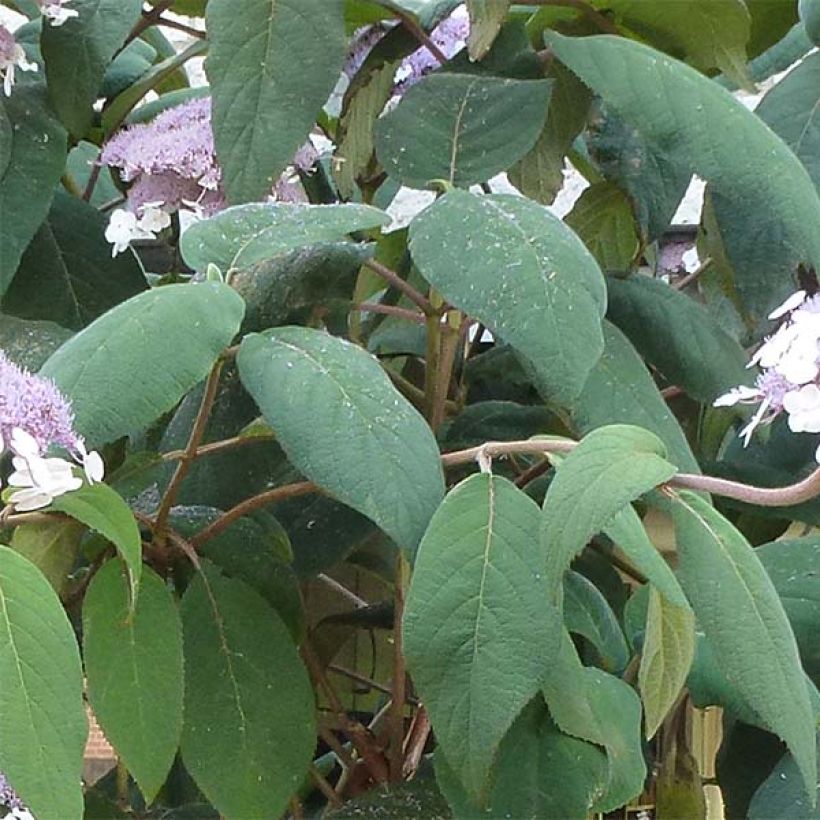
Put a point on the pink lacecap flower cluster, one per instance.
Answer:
(450, 35)
(790, 371)
(35, 416)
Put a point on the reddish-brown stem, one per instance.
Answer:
(218, 446)
(391, 310)
(393, 279)
(399, 694)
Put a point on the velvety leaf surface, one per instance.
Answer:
(245, 235)
(738, 609)
(133, 664)
(260, 117)
(78, 52)
(42, 718)
(514, 266)
(461, 128)
(51, 546)
(783, 794)
(668, 649)
(477, 621)
(67, 274)
(95, 369)
(753, 174)
(344, 426)
(611, 467)
(245, 691)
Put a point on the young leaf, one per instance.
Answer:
(657, 95)
(620, 390)
(461, 128)
(539, 773)
(97, 368)
(42, 720)
(272, 65)
(101, 509)
(133, 664)
(245, 235)
(245, 691)
(511, 264)
(486, 17)
(668, 649)
(478, 622)
(66, 274)
(740, 613)
(588, 613)
(51, 546)
(611, 467)
(677, 336)
(32, 158)
(337, 415)
(78, 52)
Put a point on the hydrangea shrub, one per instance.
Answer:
(327, 505)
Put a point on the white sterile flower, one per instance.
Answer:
(737, 395)
(40, 480)
(799, 363)
(803, 407)
(794, 301)
(153, 218)
(122, 228)
(55, 13)
(12, 57)
(92, 462)
(23, 444)
(772, 350)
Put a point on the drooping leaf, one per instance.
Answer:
(738, 609)
(539, 772)
(95, 369)
(133, 664)
(461, 128)
(243, 236)
(101, 509)
(52, 547)
(677, 336)
(42, 721)
(486, 17)
(272, 65)
(620, 390)
(78, 52)
(603, 218)
(611, 467)
(668, 649)
(32, 158)
(790, 109)
(245, 691)
(509, 263)
(767, 192)
(783, 794)
(588, 613)
(336, 414)
(477, 621)
(67, 274)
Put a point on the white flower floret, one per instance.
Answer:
(55, 13)
(12, 57)
(803, 407)
(794, 301)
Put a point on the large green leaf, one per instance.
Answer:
(783, 794)
(29, 344)
(753, 175)
(791, 110)
(539, 772)
(170, 337)
(272, 65)
(133, 665)
(668, 649)
(336, 414)
(793, 564)
(588, 703)
(103, 510)
(249, 729)
(611, 467)
(243, 236)
(461, 128)
(740, 613)
(52, 547)
(620, 390)
(67, 274)
(677, 336)
(42, 718)
(478, 622)
(78, 52)
(32, 158)
(508, 262)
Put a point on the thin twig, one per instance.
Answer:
(194, 440)
(694, 275)
(390, 310)
(536, 471)
(194, 32)
(416, 741)
(219, 446)
(249, 505)
(363, 680)
(399, 691)
(358, 602)
(343, 756)
(410, 23)
(92, 179)
(324, 787)
(392, 278)
(149, 18)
